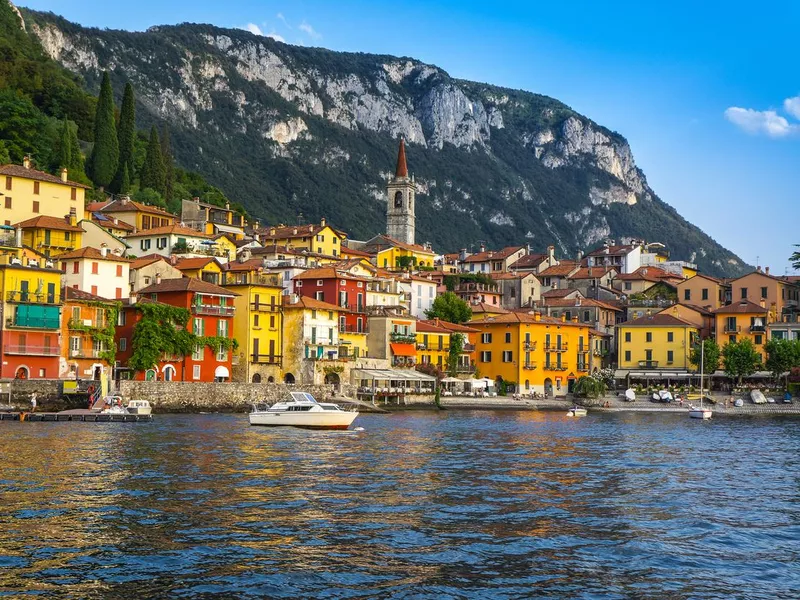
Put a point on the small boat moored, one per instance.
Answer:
(577, 411)
(139, 407)
(302, 411)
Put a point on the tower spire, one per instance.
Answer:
(402, 169)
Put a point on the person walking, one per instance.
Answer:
(33, 402)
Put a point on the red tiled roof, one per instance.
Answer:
(328, 273)
(591, 272)
(447, 325)
(741, 307)
(147, 259)
(45, 222)
(94, 254)
(76, 294)
(528, 261)
(483, 307)
(393, 243)
(284, 232)
(559, 293)
(106, 222)
(527, 317)
(172, 229)
(573, 303)
(20, 171)
(189, 264)
(133, 206)
(430, 327)
(658, 320)
(650, 273)
(612, 250)
(308, 302)
(493, 255)
(354, 252)
(186, 284)
(564, 268)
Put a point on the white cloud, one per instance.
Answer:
(276, 37)
(792, 106)
(253, 28)
(305, 27)
(756, 122)
(283, 20)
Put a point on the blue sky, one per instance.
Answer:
(705, 92)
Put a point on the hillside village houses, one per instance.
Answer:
(306, 304)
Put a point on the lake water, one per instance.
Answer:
(419, 505)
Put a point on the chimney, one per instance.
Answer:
(537, 316)
(72, 219)
(483, 248)
(26, 162)
(227, 206)
(294, 298)
(158, 278)
(272, 231)
(590, 269)
(580, 255)
(322, 222)
(758, 268)
(133, 297)
(116, 221)
(104, 250)
(766, 270)
(563, 318)
(551, 254)
(19, 237)
(763, 303)
(64, 175)
(125, 200)
(173, 260)
(575, 319)
(294, 231)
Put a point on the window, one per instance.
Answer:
(123, 344)
(627, 285)
(76, 267)
(763, 292)
(222, 328)
(670, 336)
(670, 356)
(586, 316)
(486, 338)
(73, 193)
(732, 339)
(272, 321)
(705, 293)
(648, 337)
(486, 357)
(744, 293)
(121, 318)
(758, 340)
(687, 294)
(568, 315)
(222, 354)
(319, 296)
(118, 293)
(508, 356)
(299, 283)
(508, 337)
(627, 336)
(199, 326)
(196, 372)
(94, 290)
(95, 267)
(67, 236)
(35, 206)
(319, 282)
(119, 270)
(8, 183)
(76, 313)
(8, 201)
(197, 353)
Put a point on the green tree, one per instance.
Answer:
(126, 133)
(795, 258)
(589, 387)
(449, 307)
(4, 156)
(65, 146)
(740, 359)
(125, 183)
(169, 165)
(782, 355)
(710, 353)
(105, 153)
(149, 196)
(456, 348)
(152, 173)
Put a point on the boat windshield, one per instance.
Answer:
(303, 397)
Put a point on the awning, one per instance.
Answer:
(403, 349)
(228, 229)
(620, 374)
(221, 371)
(391, 375)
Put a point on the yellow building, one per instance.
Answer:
(740, 320)
(660, 341)
(26, 191)
(533, 353)
(393, 254)
(141, 216)
(51, 236)
(225, 246)
(433, 345)
(258, 325)
(320, 238)
(206, 268)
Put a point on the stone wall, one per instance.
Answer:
(184, 396)
(48, 394)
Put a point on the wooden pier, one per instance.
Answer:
(83, 416)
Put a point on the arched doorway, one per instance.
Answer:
(257, 378)
(527, 384)
(288, 378)
(270, 379)
(332, 379)
(169, 373)
(97, 371)
(548, 388)
(150, 375)
(22, 373)
(221, 373)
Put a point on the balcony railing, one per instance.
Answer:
(265, 359)
(562, 347)
(555, 367)
(261, 307)
(353, 329)
(648, 364)
(582, 366)
(529, 345)
(758, 329)
(469, 348)
(530, 366)
(212, 309)
(82, 324)
(85, 353)
(33, 297)
(33, 350)
(403, 338)
(732, 329)
(33, 323)
(465, 369)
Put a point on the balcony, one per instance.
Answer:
(529, 345)
(469, 348)
(24, 297)
(353, 308)
(529, 366)
(85, 353)
(83, 324)
(648, 364)
(582, 366)
(465, 368)
(213, 309)
(32, 350)
(758, 329)
(562, 347)
(555, 367)
(403, 338)
(353, 329)
(265, 359)
(732, 329)
(261, 307)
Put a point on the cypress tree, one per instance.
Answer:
(125, 182)
(105, 154)
(152, 175)
(126, 133)
(169, 165)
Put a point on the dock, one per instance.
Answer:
(85, 416)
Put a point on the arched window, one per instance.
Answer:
(398, 199)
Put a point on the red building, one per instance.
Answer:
(347, 291)
(211, 309)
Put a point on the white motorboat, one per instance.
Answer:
(139, 407)
(577, 411)
(757, 396)
(111, 405)
(302, 411)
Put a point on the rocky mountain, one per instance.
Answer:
(300, 133)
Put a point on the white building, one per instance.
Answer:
(98, 272)
(420, 292)
(162, 240)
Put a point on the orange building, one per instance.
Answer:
(87, 331)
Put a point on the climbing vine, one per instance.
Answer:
(163, 330)
(105, 334)
(456, 348)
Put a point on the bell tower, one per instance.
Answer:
(400, 220)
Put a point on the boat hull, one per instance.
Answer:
(308, 420)
(700, 413)
(140, 410)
